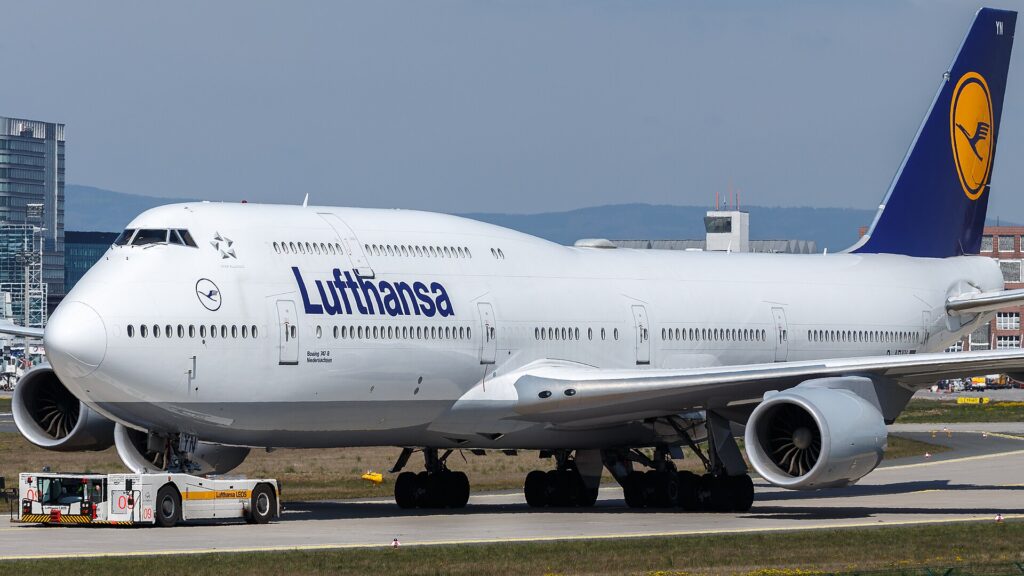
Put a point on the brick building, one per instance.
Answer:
(1005, 244)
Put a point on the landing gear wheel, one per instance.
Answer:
(535, 489)
(717, 493)
(661, 489)
(556, 490)
(689, 484)
(405, 490)
(633, 490)
(168, 506)
(588, 497)
(262, 505)
(741, 488)
(456, 489)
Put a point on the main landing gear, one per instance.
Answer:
(724, 487)
(572, 484)
(436, 487)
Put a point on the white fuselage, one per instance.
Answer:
(297, 375)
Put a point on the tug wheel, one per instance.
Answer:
(168, 506)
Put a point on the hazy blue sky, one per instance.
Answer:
(494, 106)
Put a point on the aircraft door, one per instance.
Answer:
(288, 331)
(781, 335)
(643, 335)
(355, 248)
(489, 338)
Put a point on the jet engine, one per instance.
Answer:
(51, 417)
(143, 453)
(814, 436)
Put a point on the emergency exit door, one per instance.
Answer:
(643, 335)
(288, 332)
(781, 335)
(489, 338)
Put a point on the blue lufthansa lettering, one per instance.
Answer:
(310, 308)
(347, 292)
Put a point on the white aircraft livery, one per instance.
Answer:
(208, 329)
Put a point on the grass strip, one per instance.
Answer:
(898, 550)
(946, 412)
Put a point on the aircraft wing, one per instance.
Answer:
(561, 392)
(978, 302)
(15, 330)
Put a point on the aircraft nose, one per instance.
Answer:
(75, 339)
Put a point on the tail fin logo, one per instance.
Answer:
(970, 128)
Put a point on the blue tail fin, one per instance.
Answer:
(936, 205)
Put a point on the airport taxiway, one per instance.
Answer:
(975, 482)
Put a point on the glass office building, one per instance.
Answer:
(81, 251)
(32, 192)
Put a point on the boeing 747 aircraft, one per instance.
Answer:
(208, 329)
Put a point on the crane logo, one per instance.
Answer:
(208, 294)
(970, 128)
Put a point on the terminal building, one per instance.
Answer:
(31, 217)
(725, 231)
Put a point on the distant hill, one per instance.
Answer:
(91, 209)
(95, 209)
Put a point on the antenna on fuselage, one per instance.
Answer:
(305, 201)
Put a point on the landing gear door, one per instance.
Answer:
(288, 333)
(489, 338)
(643, 335)
(781, 335)
(356, 254)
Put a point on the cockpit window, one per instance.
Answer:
(186, 238)
(125, 237)
(146, 236)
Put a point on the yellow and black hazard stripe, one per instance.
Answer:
(64, 519)
(69, 519)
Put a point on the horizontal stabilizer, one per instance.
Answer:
(984, 301)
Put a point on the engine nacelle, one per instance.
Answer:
(144, 453)
(51, 417)
(816, 435)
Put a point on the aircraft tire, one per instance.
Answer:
(535, 489)
(456, 489)
(689, 484)
(168, 506)
(405, 490)
(742, 492)
(633, 490)
(588, 497)
(661, 488)
(556, 488)
(718, 493)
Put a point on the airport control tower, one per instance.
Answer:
(32, 212)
